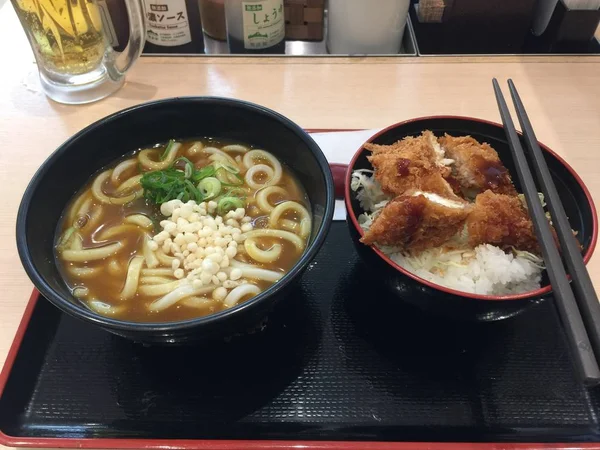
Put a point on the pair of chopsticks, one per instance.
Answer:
(579, 311)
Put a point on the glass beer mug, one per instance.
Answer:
(75, 60)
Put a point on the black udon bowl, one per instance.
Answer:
(448, 302)
(73, 163)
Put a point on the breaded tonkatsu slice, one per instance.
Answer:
(501, 220)
(477, 166)
(412, 163)
(417, 221)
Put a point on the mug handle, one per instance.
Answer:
(137, 38)
(339, 172)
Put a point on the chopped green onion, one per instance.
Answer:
(227, 204)
(184, 159)
(195, 191)
(188, 166)
(229, 178)
(65, 239)
(167, 149)
(81, 292)
(205, 172)
(210, 187)
(188, 171)
(235, 192)
(227, 167)
(185, 182)
(164, 185)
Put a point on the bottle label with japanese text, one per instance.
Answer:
(264, 23)
(167, 22)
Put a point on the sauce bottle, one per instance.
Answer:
(173, 26)
(255, 26)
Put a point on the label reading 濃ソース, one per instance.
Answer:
(168, 23)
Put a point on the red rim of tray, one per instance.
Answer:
(526, 295)
(211, 444)
(206, 444)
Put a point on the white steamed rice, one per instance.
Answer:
(485, 270)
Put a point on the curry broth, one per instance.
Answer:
(108, 280)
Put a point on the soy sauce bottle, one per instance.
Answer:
(173, 26)
(255, 26)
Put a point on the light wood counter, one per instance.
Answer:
(561, 94)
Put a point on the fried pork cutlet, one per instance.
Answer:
(417, 221)
(477, 166)
(501, 220)
(412, 163)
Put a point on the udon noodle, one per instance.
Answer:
(182, 230)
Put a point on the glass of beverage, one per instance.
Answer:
(75, 60)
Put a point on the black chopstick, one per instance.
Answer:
(577, 337)
(585, 294)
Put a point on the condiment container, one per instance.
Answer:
(366, 27)
(255, 26)
(212, 13)
(173, 26)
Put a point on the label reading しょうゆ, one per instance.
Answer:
(168, 23)
(264, 23)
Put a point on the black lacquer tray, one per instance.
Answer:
(339, 364)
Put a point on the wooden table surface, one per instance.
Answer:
(561, 94)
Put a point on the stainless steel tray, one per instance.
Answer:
(301, 48)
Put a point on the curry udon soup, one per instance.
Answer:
(182, 230)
